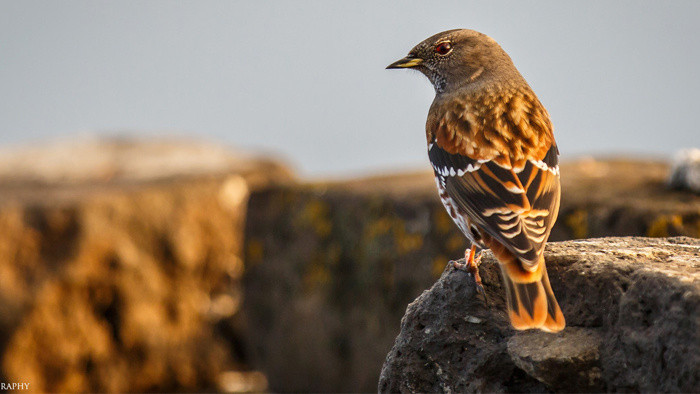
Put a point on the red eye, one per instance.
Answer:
(443, 48)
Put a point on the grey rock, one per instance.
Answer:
(561, 361)
(685, 173)
(632, 307)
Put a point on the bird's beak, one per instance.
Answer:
(406, 62)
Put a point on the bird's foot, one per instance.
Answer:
(472, 267)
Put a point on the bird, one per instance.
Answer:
(496, 164)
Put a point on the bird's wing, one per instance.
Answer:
(516, 206)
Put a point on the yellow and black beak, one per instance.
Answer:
(407, 62)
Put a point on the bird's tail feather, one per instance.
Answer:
(529, 297)
(532, 304)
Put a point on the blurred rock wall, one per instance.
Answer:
(603, 198)
(114, 281)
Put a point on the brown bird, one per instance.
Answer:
(496, 165)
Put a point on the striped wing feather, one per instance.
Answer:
(517, 207)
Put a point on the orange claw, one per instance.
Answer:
(472, 266)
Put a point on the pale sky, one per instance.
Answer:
(306, 79)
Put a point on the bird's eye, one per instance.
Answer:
(443, 48)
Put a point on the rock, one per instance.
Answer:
(685, 174)
(633, 324)
(568, 360)
(126, 282)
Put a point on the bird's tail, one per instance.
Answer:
(529, 297)
(532, 304)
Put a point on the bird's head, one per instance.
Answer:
(455, 58)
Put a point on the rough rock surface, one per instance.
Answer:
(565, 361)
(117, 279)
(633, 324)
